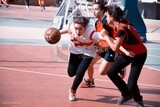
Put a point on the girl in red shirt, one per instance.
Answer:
(126, 36)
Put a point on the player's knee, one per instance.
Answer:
(71, 74)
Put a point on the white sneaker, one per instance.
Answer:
(72, 95)
(27, 8)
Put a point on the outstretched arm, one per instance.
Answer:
(65, 29)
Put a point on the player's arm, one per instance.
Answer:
(96, 36)
(65, 29)
(127, 52)
(113, 43)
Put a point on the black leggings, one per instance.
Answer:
(130, 89)
(26, 2)
(78, 64)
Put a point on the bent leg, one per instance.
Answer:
(136, 67)
(108, 57)
(89, 82)
(83, 66)
(73, 64)
(104, 67)
(90, 70)
(120, 63)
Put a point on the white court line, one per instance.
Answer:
(33, 72)
(154, 48)
(6, 11)
(57, 75)
(152, 68)
(153, 56)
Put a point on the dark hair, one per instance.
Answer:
(102, 1)
(101, 6)
(115, 12)
(81, 20)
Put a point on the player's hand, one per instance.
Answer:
(104, 32)
(130, 53)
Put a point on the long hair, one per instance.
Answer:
(102, 1)
(81, 20)
(115, 12)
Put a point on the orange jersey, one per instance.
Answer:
(41, 2)
(99, 27)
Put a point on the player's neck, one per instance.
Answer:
(100, 18)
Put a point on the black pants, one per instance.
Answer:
(78, 64)
(26, 2)
(130, 89)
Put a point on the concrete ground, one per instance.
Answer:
(30, 76)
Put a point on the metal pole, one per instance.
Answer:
(133, 15)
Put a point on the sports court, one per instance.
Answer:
(34, 73)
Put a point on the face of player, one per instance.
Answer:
(79, 29)
(109, 18)
(97, 12)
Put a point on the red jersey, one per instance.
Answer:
(132, 40)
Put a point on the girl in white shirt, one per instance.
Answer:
(82, 50)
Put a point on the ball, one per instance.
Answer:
(52, 35)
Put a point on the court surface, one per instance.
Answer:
(33, 74)
(28, 78)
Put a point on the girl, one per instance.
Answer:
(41, 4)
(126, 36)
(105, 52)
(26, 2)
(82, 50)
(4, 2)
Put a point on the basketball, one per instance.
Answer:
(52, 35)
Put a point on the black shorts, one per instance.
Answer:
(108, 55)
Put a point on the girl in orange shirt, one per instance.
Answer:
(104, 51)
(4, 2)
(41, 4)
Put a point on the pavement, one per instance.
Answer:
(35, 35)
(35, 13)
(30, 76)
(18, 11)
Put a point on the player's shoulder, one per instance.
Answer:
(90, 27)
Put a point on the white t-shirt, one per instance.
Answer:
(85, 43)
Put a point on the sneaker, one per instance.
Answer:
(27, 8)
(44, 8)
(72, 95)
(7, 6)
(123, 100)
(139, 104)
(87, 84)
